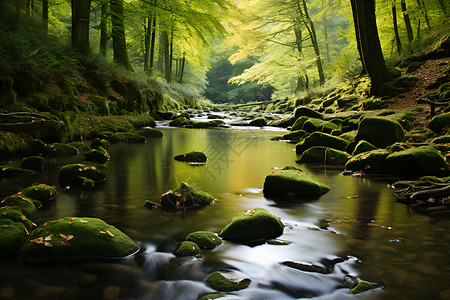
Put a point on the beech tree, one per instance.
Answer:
(118, 35)
(81, 10)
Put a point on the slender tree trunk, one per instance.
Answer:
(325, 33)
(409, 31)
(183, 64)
(169, 56)
(424, 11)
(118, 35)
(397, 36)
(45, 15)
(371, 54)
(104, 29)
(152, 47)
(162, 38)
(358, 39)
(148, 30)
(29, 7)
(81, 10)
(166, 55)
(315, 43)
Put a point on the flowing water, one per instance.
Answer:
(358, 225)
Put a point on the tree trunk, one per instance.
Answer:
(314, 42)
(81, 10)
(152, 47)
(148, 30)
(169, 75)
(424, 11)
(443, 6)
(183, 63)
(29, 7)
(118, 35)
(325, 33)
(358, 40)
(45, 15)
(166, 55)
(397, 36)
(409, 31)
(371, 54)
(162, 38)
(104, 29)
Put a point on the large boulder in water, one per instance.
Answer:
(294, 182)
(187, 248)
(35, 163)
(97, 155)
(82, 176)
(194, 156)
(72, 239)
(40, 192)
(380, 132)
(254, 224)
(25, 204)
(321, 139)
(204, 239)
(371, 161)
(15, 214)
(420, 161)
(307, 112)
(221, 283)
(13, 236)
(324, 155)
(186, 196)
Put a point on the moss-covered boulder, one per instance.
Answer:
(324, 155)
(150, 133)
(299, 122)
(293, 182)
(186, 196)
(151, 205)
(295, 135)
(187, 248)
(204, 239)
(379, 131)
(83, 176)
(215, 296)
(15, 214)
(97, 155)
(208, 124)
(35, 163)
(321, 139)
(219, 282)
(371, 161)
(253, 224)
(424, 160)
(319, 125)
(40, 192)
(349, 135)
(98, 142)
(194, 156)
(61, 149)
(127, 137)
(363, 286)
(363, 146)
(181, 122)
(307, 112)
(6, 172)
(13, 236)
(25, 204)
(258, 122)
(440, 122)
(72, 239)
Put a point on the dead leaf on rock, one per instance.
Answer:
(49, 237)
(47, 244)
(249, 212)
(23, 218)
(109, 233)
(83, 221)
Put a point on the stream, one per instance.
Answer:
(358, 223)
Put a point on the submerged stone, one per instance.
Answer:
(82, 176)
(187, 248)
(40, 192)
(13, 236)
(294, 182)
(194, 156)
(72, 239)
(35, 163)
(221, 283)
(186, 196)
(363, 286)
(254, 224)
(380, 132)
(204, 239)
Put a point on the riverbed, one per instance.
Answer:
(358, 223)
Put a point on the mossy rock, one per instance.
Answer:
(363, 286)
(335, 157)
(307, 112)
(13, 236)
(180, 122)
(219, 282)
(186, 196)
(397, 147)
(208, 124)
(445, 139)
(299, 122)
(97, 155)
(98, 142)
(349, 136)
(204, 239)
(371, 161)
(296, 182)
(40, 192)
(413, 66)
(151, 205)
(258, 122)
(321, 139)
(15, 214)
(295, 135)
(150, 133)
(217, 296)
(11, 171)
(7, 94)
(127, 137)
(324, 155)
(439, 123)
(363, 146)
(83, 176)
(73, 239)
(379, 131)
(61, 149)
(81, 147)
(25, 204)
(187, 248)
(35, 163)
(424, 160)
(194, 156)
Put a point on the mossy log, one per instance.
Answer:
(36, 125)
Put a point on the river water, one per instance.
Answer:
(376, 238)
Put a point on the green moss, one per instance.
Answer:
(335, 157)
(372, 161)
(204, 239)
(209, 124)
(299, 122)
(440, 122)
(10, 172)
(258, 122)
(15, 214)
(213, 296)
(295, 182)
(314, 154)
(40, 192)
(321, 139)
(295, 135)
(445, 139)
(82, 176)
(81, 147)
(363, 146)
(186, 196)
(12, 144)
(307, 112)
(72, 239)
(98, 155)
(13, 236)
(222, 284)
(180, 122)
(150, 204)
(150, 133)
(363, 286)
(35, 163)
(98, 142)
(380, 132)
(7, 94)
(101, 104)
(187, 248)
(193, 156)
(254, 224)
(61, 149)
(349, 136)
(398, 147)
(25, 204)
(127, 137)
